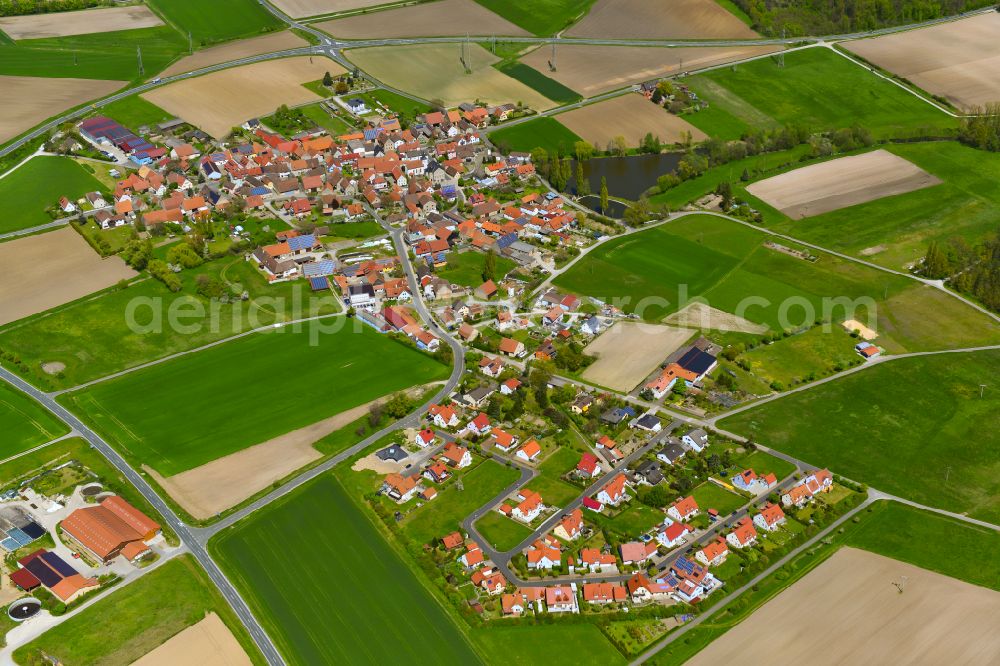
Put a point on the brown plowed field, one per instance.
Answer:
(660, 19)
(64, 24)
(301, 8)
(631, 116)
(28, 100)
(629, 351)
(444, 18)
(244, 48)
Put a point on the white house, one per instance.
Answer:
(672, 535)
(770, 518)
(614, 492)
(425, 438)
(743, 535)
(696, 440)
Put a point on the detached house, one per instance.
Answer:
(598, 562)
(529, 451)
(673, 534)
(504, 440)
(820, 481)
(614, 492)
(637, 552)
(743, 535)
(561, 599)
(544, 554)
(696, 440)
(512, 347)
(479, 426)
(714, 553)
(570, 527)
(444, 416)
(588, 467)
(529, 508)
(749, 481)
(683, 509)
(457, 456)
(770, 518)
(400, 488)
(425, 438)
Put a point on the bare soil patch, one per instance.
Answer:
(959, 61)
(64, 24)
(703, 316)
(858, 616)
(221, 100)
(375, 464)
(629, 351)
(660, 19)
(52, 268)
(28, 100)
(839, 183)
(244, 48)
(591, 70)
(865, 332)
(53, 367)
(444, 18)
(301, 8)
(207, 642)
(872, 251)
(631, 116)
(216, 486)
(433, 71)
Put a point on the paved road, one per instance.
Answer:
(183, 532)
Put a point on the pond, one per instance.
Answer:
(615, 209)
(627, 177)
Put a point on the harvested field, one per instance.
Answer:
(591, 70)
(629, 351)
(275, 41)
(208, 642)
(218, 101)
(434, 71)
(959, 61)
(63, 24)
(631, 116)
(53, 268)
(846, 181)
(28, 100)
(704, 316)
(300, 8)
(223, 483)
(660, 19)
(863, 331)
(444, 18)
(866, 620)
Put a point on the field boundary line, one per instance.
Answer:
(70, 434)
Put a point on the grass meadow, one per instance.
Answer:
(711, 496)
(466, 268)
(651, 273)
(216, 21)
(134, 111)
(761, 94)
(25, 423)
(546, 644)
(545, 132)
(532, 78)
(37, 185)
(914, 427)
(131, 621)
(205, 405)
(541, 17)
(801, 355)
(330, 589)
(398, 103)
(503, 532)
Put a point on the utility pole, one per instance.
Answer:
(138, 52)
(947, 473)
(781, 54)
(982, 387)
(552, 60)
(190, 43)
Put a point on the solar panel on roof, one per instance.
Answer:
(19, 536)
(33, 529)
(58, 563)
(9, 544)
(42, 572)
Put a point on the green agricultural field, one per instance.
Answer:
(895, 231)
(545, 132)
(541, 17)
(326, 375)
(546, 644)
(361, 605)
(913, 427)
(131, 621)
(763, 94)
(816, 352)
(93, 339)
(727, 264)
(466, 268)
(25, 423)
(711, 496)
(109, 55)
(503, 532)
(26, 193)
(216, 21)
(445, 513)
(134, 111)
(532, 78)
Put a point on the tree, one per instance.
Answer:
(584, 151)
(604, 195)
(620, 145)
(489, 265)
(375, 414)
(582, 184)
(327, 80)
(341, 88)
(540, 158)
(725, 190)
(638, 213)
(183, 255)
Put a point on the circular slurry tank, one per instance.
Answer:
(22, 609)
(92, 490)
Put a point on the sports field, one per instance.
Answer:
(926, 416)
(629, 115)
(466, 268)
(130, 622)
(216, 21)
(315, 381)
(655, 272)
(442, 18)
(24, 422)
(33, 99)
(545, 132)
(37, 185)
(362, 605)
(63, 24)
(957, 60)
(540, 17)
(660, 19)
(764, 94)
(269, 43)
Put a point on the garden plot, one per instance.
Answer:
(959, 61)
(660, 19)
(846, 181)
(64, 24)
(444, 18)
(28, 100)
(631, 116)
(244, 48)
(629, 351)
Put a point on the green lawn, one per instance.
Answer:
(356, 230)
(797, 357)
(762, 94)
(25, 423)
(330, 590)
(216, 21)
(395, 102)
(896, 230)
(534, 79)
(319, 115)
(764, 463)
(914, 427)
(547, 133)
(711, 496)
(650, 273)
(541, 17)
(636, 519)
(134, 111)
(503, 532)
(205, 405)
(37, 185)
(131, 621)
(546, 644)
(466, 268)
(92, 337)
(553, 490)
(444, 513)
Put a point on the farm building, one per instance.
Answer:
(112, 528)
(46, 568)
